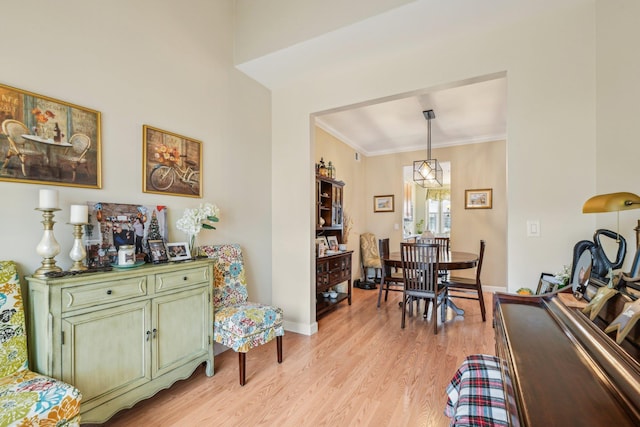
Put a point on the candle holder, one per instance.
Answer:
(48, 247)
(78, 252)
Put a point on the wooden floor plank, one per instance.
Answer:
(360, 369)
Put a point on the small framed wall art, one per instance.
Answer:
(383, 203)
(171, 163)
(478, 199)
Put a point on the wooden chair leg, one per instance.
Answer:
(242, 365)
(481, 298)
(380, 291)
(279, 346)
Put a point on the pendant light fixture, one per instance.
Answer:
(428, 173)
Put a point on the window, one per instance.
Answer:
(438, 207)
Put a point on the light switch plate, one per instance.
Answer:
(533, 228)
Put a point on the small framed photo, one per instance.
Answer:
(157, 251)
(478, 199)
(547, 283)
(178, 251)
(383, 203)
(333, 243)
(321, 246)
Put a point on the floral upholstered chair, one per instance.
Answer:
(239, 324)
(27, 398)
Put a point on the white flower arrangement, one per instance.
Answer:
(194, 220)
(563, 276)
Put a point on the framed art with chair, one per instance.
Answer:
(47, 140)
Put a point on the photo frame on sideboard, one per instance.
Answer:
(178, 251)
(157, 251)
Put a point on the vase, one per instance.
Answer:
(193, 248)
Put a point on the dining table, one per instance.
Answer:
(48, 143)
(448, 260)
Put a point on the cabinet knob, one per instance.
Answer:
(148, 335)
(155, 332)
(109, 291)
(185, 278)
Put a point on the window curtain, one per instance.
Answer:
(439, 194)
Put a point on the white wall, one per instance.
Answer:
(266, 26)
(144, 62)
(618, 92)
(549, 61)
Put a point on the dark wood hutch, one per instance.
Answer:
(333, 268)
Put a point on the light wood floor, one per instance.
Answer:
(360, 369)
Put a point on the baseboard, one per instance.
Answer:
(300, 328)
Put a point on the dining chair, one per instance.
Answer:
(443, 243)
(27, 398)
(76, 154)
(18, 146)
(469, 288)
(420, 263)
(370, 258)
(239, 324)
(391, 278)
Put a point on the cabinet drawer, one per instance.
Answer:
(322, 280)
(336, 277)
(181, 278)
(103, 292)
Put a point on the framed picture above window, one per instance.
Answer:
(383, 203)
(478, 199)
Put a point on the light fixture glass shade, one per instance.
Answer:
(612, 202)
(427, 173)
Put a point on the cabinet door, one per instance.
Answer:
(181, 328)
(106, 352)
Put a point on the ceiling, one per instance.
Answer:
(468, 113)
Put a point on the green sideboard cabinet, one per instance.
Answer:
(121, 336)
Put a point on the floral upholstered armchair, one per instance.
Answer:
(239, 324)
(27, 398)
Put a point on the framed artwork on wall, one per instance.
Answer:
(48, 141)
(383, 203)
(478, 199)
(171, 163)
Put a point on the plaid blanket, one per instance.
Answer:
(476, 395)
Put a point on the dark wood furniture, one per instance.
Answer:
(420, 274)
(391, 278)
(329, 212)
(560, 368)
(452, 260)
(332, 270)
(466, 288)
(449, 260)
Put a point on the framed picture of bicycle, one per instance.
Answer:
(48, 141)
(171, 162)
